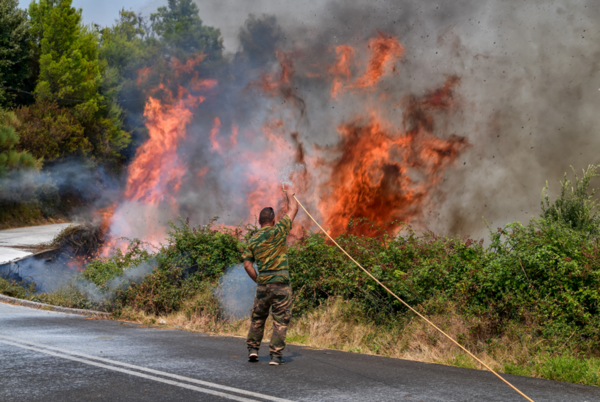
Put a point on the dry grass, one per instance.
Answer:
(335, 327)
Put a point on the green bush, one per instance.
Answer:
(14, 289)
(191, 258)
(102, 270)
(576, 205)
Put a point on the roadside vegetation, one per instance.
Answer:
(527, 303)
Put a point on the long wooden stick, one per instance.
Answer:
(409, 307)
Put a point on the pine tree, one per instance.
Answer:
(69, 51)
(182, 31)
(70, 69)
(10, 158)
(15, 51)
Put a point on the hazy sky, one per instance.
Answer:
(227, 15)
(106, 11)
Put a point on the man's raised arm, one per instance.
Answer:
(292, 209)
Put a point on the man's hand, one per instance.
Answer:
(292, 209)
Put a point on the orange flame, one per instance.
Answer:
(189, 65)
(143, 74)
(213, 135)
(234, 135)
(340, 70)
(372, 177)
(385, 51)
(156, 168)
(377, 171)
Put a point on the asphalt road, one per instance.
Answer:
(24, 237)
(49, 356)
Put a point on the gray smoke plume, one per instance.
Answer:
(236, 292)
(70, 180)
(53, 276)
(47, 277)
(526, 103)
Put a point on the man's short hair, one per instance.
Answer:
(267, 215)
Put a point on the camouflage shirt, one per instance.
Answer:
(268, 248)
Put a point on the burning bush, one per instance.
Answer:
(83, 240)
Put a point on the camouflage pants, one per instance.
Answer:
(276, 297)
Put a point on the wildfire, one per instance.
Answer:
(156, 173)
(340, 70)
(380, 169)
(156, 168)
(373, 176)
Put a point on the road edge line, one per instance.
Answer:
(49, 307)
(134, 373)
(104, 360)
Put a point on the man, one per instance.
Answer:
(268, 248)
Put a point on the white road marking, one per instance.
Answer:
(66, 355)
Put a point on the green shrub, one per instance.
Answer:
(576, 205)
(102, 270)
(14, 289)
(191, 258)
(204, 249)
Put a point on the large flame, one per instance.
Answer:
(380, 169)
(156, 171)
(373, 176)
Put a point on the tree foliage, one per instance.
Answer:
(49, 131)
(10, 158)
(182, 31)
(70, 69)
(15, 51)
(69, 65)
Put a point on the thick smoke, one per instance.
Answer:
(80, 184)
(46, 276)
(236, 292)
(58, 273)
(525, 107)
(529, 81)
